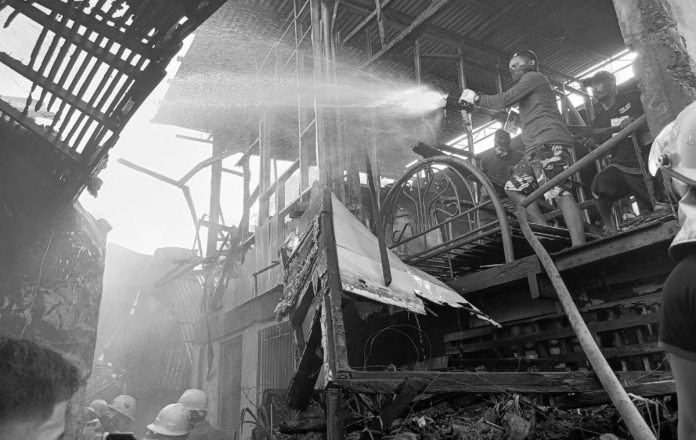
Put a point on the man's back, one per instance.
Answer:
(540, 120)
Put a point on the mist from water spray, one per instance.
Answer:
(229, 91)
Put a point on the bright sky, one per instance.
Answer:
(144, 212)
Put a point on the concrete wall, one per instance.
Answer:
(249, 362)
(685, 14)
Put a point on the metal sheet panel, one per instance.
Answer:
(361, 272)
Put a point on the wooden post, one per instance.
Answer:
(377, 226)
(317, 75)
(215, 188)
(335, 351)
(629, 413)
(334, 413)
(417, 60)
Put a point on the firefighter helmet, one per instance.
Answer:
(100, 406)
(194, 400)
(89, 415)
(125, 405)
(171, 420)
(674, 149)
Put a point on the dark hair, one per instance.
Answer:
(33, 379)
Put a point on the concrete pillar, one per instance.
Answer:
(664, 67)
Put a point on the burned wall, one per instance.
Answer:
(50, 288)
(665, 70)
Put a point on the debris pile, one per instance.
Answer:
(499, 417)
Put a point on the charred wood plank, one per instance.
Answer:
(473, 382)
(302, 383)
(601, 326)
(591, 398)
(411, 388)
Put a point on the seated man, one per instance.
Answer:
(623, 177)
(35, 386)
(498, 162)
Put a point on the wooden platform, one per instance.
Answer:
(633, 242)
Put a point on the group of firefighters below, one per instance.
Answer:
(545, 148)
(183, 420)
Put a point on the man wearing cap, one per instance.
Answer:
(547, 141)
(623, 177)
(674, 153)
(498, 162)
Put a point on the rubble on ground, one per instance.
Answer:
(500, 417)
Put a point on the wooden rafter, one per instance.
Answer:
(49, 85)
(447, 38)
(35, 128)
(419, 21)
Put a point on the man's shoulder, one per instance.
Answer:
(535, 77)
(629, 101)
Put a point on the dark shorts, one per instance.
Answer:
(538, 167)
(678, 311)
(616, 184)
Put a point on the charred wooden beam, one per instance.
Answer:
(365, 21)
(302, 384)
(100, 27)
(486, 382)
(47, 84)
(593, 398)
(35, 128)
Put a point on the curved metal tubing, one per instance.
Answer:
(463, 168)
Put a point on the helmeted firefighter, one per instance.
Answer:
(120, 415)
(171, 423)
(674, 153)
(196, 404)
(91, 425)
(99, 406)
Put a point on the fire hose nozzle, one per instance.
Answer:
(452, 103)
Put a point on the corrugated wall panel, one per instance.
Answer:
(276, 359)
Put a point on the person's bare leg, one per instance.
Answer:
(573, 219)
(685, 377)
(604, 208)
(533, 211)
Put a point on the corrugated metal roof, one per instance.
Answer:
(568, 36)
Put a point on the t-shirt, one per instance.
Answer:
(540, 120)
(626, 105)
(499, 168)
(678, 314)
